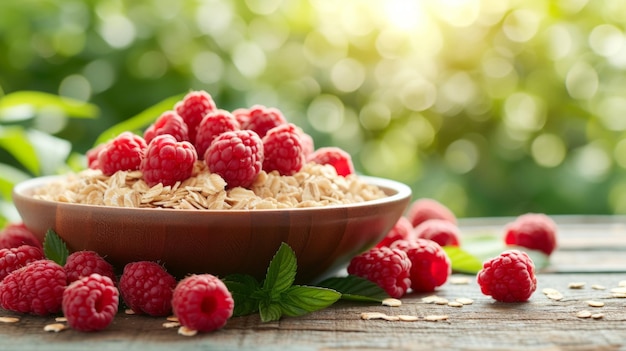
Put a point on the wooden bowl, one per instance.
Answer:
(219, 242)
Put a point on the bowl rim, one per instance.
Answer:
(402, 191)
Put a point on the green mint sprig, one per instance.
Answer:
(54, 247)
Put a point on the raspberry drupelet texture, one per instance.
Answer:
(236, 156)
(90, 303)
(261, 119)
(84, 263)
(169, 122)
(15, 235)
(167, 161)
(212, 125)
(123, 153)
(308, 144)
(510, 277)
(202, 302)
(534, 231)
(402, 230)
(147, 288)
(92, 156)
(192, 108)
(430, 265)
(36, 288)
(441, 231)
(334, 156)
(283, 150)
(18, 257)
(426, 208)
(388, 268)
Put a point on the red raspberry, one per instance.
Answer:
(402, 230)
(36, 288)
(444, 233)
(261, 119)
(202, 302)
(124, 153)
(212, 125)
(334, 156)
(83, 263)
(168, 161)
(388, 268)
(90, 303)
(430, 265)
(92, 156)
(236, 156)
(425, 208)
(18, 257)
(147, 288)
(535, 231)
(510, 277)
(194, 106)
(308, 145)
(15, 235)
(283, 151)
(169, 122)
(242, 115)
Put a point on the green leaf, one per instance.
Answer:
(54, 247)
(35, 100)
(270, 311)
(281, 272)
(355, 288)
(16, 142)
(141, 120)
(244, 289)
(462, 261)
(9, 176)
(299, 300)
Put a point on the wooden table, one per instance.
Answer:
(591, 250)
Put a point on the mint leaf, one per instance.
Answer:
(270, 311)
(299, 300)
(462, 261)
(355, 288)
(54, 248)
(281, 272)
(243, 289)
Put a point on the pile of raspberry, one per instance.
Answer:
(236, 145)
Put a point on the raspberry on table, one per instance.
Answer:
(402, 230)
(430, 265)
(510, 277)
(192, 108)
(426, 208)
(167, 160)
(261, 119)
(123, 153)
(236, 156)
(213, 124)
(90, 303)
(12, 259)
(334, 156)
(169, 122)
(387, 267)
(283, 150)
(36, 288)
(16, 234)
(441, 231)
(202, 302)
(535, 231)
(146, 288)
(84, 263)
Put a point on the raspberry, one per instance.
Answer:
(18, 257)
(242, 115)
(308, 145)
(124, 153)
(425, 208)
(15, 235)
(36, 288)
(535, 231)
(169, 122)
(388, 268)
(402, 230)
(90, 303)
(147, 288)
(192, 108)
(236, 156)
(212, 125)
(261, 119)
(430, 265)
(202, 302)
(444, 233)
(510, 277)
(283, 151)
(335, 157)
(92, 156)
(168, 161)
(83, 263)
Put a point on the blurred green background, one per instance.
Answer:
(493, 107)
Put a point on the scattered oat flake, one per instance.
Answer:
(54, 327)
(621, 290)
(172, 319)
(391, 302)
(435, 318)
(407, 318)
(171, 325)
(576, 285)
(619, 295)
(129, 311)
(459, 280)
(455, 304)
(441, 301)
(184, 331)
(60, 319)
(597, 315)
(593, 303)
(372, 315)
(583, 314)
(555, 296)
(9, 319)
(464, 300)
(430, 299)
(549, 291)
(598, 287)
(622, 283)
